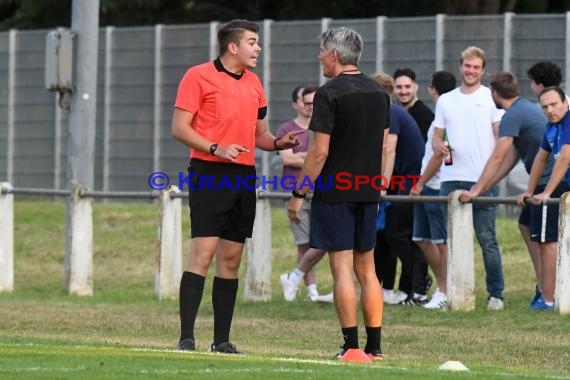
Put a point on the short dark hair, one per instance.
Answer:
(308, 90)
(295, 93)
(505, 84)
(233, 31)
(546, 73)
(556, 89)
(443, 81)
(407, 72)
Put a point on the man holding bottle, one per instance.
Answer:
(470, 118)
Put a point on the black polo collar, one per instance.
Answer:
(221, 68)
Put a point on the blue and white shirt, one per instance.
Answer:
(555, 137)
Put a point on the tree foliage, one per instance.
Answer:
(35, 14)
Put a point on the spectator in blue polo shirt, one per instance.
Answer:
(556, 141)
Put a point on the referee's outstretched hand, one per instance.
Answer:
(290, 140)
(231, 152)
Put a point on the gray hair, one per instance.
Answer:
(346, 42)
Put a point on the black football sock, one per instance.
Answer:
(191, 290)
(373, 338)
(350, 335)
(224, 292)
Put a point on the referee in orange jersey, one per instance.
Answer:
(219, 113)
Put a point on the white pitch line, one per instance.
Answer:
(43, 369)
(283, 359)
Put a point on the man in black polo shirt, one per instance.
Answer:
(406, 91)
(350, 119)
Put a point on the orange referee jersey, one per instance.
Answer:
(225, 107)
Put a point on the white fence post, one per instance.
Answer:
(6, 238)
(460, 262)
(78, 263)
(562, 293)
(169, 260)
(258, 255)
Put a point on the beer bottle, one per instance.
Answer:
(448, 160)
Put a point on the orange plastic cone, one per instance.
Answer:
(355, 355)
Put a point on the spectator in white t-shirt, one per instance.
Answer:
(470, 119)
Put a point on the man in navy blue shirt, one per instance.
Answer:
(405, 147)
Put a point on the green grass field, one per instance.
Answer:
(124, 332)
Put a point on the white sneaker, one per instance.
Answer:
(393, 298)
(329, 298)
(312, 296)
(438, 301)
(290, 287)
(495, 304)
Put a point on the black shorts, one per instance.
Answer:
(343, 226)
(222, 200)
(544, 219)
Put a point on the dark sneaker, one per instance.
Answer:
(429, 282)
(414, 300)
(537, 295)
(187, 344)
(540, 305)
(341, 353)
(374, 354)
(224, 348)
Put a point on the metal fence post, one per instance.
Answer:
(78, 262)
(107, 102)
(325, 25)
(380, 38)
(507, 40)
(157, 98)
(562, 292)
(567, 49)
(11, 105)
(169, 260)
(439, 41)
(6, 238)
(460, 262)
(258, 255)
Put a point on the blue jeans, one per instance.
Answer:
(484, 225)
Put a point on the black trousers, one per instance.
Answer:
(396, 242)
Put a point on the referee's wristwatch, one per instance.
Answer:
(296, 194)
(213, 149)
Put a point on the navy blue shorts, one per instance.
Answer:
(343, 226)
(544, 219)
(524, 217)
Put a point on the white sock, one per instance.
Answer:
(312, 289)
(296, 276)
